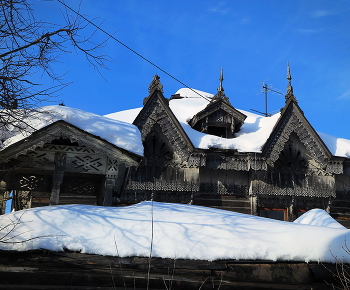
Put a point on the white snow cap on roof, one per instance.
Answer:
(251, 138)
(121, 134)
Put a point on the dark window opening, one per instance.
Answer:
(217, 131)
(274, 213)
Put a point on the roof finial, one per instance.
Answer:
(220, 95)
(155, 85)
(221, 89)
(289, 77)
(289, 93)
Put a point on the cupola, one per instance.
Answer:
(219, 117)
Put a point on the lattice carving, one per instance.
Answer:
(112, 168)
(163, 186)
(213, 107)
(157, 151)
(274, 202)
(291, 159)
(40, 159)
(294, 121)
(224, 188)
(156, 114)
(335, 167)
(261, 188)
(64, 130)
(88, 163)
(66, 148)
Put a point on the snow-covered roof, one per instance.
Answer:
(116, 132)
(179, 232)
(251, 137)
(117, 129)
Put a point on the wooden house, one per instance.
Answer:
(63, 164)
(291, 172)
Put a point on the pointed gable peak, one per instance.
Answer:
(289, 95)
(154, 86)
(220, 95)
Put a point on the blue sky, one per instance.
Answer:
(251, 40)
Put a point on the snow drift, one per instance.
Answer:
(180, 231)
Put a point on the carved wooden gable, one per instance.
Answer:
(218, 118)
(295, 144)
(86, 145)
(159, 127)
(62, 164)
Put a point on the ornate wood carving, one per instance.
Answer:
(293, 120)
(224, 188)
(62, 129)
(291, 159)
(60, 163)
(80, 185)
(28, 182)
(157, 151)
(157, 111)
(162, 185)
(216, 106)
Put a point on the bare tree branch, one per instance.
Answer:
(29, 47)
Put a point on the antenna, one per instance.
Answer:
(266, 88)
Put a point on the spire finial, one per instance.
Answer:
(221, 89)
(289, 77)
(155, 85)
(220, 95)
(289, 94)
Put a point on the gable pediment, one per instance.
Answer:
(156, 111)
(65, 130)
(219, 118)
(291, 125)
(214, 107)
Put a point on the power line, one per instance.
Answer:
(129, 48)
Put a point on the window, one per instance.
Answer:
(274, 213)
(217, 131)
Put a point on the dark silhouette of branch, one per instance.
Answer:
(29, 47)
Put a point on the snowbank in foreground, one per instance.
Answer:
(318, 217)
(180, 231)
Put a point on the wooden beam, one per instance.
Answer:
(60, 163)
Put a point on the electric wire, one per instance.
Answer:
(132, 50)
(153, 64)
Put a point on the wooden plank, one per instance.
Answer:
(51, 270)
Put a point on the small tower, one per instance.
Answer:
(219, 117)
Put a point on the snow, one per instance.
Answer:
(251, 138)
(117, 129)
(121, 134)
(127, 116)
(318, 217)
(180, 232)
(337, 146)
